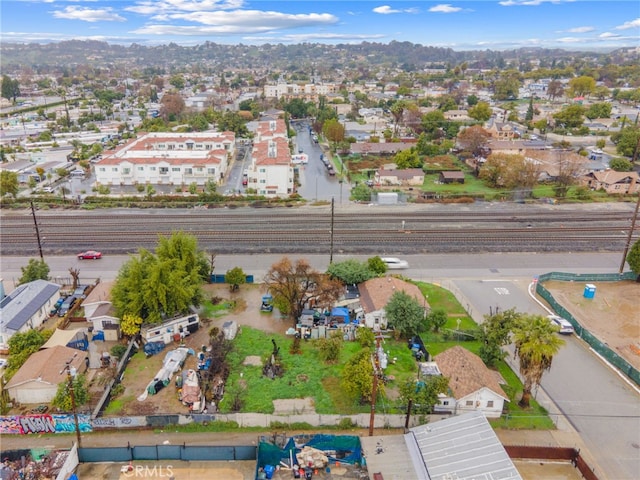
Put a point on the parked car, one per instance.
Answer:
(67, 305)
(565, 326)
(395, 263)
(81, 291)
(56, 306)
(90, 255)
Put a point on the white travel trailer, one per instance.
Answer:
(170, 330)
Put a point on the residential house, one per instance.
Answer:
(408, 176)
(168, 159)
(453, 176)
(376, 293)
(503, 131)
(472, 386)
(461, 447)
(98, 309)
(457, 115)
(38, 379)
(25, 308)
(612, 182)
(271, 170)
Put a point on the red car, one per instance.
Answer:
(89, 255)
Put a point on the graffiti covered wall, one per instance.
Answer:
(26, 424)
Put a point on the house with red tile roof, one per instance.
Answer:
(165, 158)
(271, 170)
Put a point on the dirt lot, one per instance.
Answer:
(613, 315)
(141, 370)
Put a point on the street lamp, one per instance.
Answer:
(70, 375)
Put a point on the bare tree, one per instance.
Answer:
(568, 170)
(294, 285)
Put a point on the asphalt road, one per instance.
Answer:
(598, 403)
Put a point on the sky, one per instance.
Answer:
(466, 25)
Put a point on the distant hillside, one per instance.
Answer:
(405, 55)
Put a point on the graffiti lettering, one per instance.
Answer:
(37, 424)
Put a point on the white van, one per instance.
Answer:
(77, 174)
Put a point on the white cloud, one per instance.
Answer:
(608, 35)
(581, 29)
(529, 3)
(252, 20)
(632, 24)
(89, 14)
(444, 8)
(151, 7)
(570, 40)
(387, 10)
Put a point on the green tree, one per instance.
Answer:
(481, 112)
(177, 81)
(235, 277)
(361, 193)
(365, 337)
(494, 334)
(9, 184)
(633, 259)
(507, 86)
(570, 117)
(350, 271)
(541, 125)
(407, 159)
(529, 115)
(433, 123)
(423, 394)
(536, 343)
(472, 100)
(21, 346)
(598, 110)
(329, 348)
(436, 319)
(36, 269)
(164, 284)
(62, 400)
(376, 265)
(357, 376)
(627, 140)
(10, 88)
(581, 86)
(333, 130)
(621, 165)
(405, 314)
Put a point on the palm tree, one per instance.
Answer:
(536, 342)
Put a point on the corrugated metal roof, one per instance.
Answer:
(464, 447)
(24, 302)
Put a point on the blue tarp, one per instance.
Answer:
(342, 312)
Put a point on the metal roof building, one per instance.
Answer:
(463, 447)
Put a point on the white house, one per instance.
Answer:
(376, 293)
(271, 170)
(27, 307)
(98, 309)
(472, 386)
(168, 159)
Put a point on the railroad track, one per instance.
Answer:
(294, 231)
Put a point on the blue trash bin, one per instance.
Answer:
(268, 470)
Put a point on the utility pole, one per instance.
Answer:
(35, 222)
(331, 244)
(630, 236)
(73, 401)
(374, 389)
